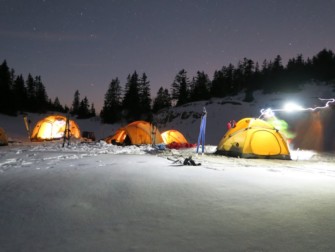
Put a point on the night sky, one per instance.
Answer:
(81, 44)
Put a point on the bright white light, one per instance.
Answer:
(291, 107)
(267, 113)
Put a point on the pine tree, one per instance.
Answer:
(20, 93)
(229, 80)
(92, 111)
(66, 109)
(144, 92)
(180, 88)
(31, 93)
(296, 70)
(323, 65)
(83, 111)
(276, 72)
(162, 100)
(248, 73)
(131, 100)
(277, 66)
(111, 110)
(75, 103)
(257, 78)
(217, 87)
(7, 104)
(57, 106)
(200, 87)
(41, 96)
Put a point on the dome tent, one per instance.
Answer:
(175, 140)
(138, 132)
(173, 136)
(53, 127)
(3, 137)
(254, 138)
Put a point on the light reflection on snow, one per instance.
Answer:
(302, 154)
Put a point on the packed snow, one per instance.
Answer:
(93, 196)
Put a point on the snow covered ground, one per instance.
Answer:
(100, 197)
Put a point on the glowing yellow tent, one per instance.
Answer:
(52, 128)
(173, 136)
(138, 132)
(3, 137)
(254, 138)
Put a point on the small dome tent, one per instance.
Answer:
(53, 127)
(175, 140)
(138, 132)
(173, 136)
(3, 137)
(254, 138)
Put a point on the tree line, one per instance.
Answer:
(133, 101)
(247, 76)
(20, 95)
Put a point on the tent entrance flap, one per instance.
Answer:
(264, 143)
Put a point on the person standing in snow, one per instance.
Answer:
(202, 132)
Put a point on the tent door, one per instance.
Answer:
(264, 143)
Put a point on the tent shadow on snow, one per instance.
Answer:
(254, 138)
(53, 128)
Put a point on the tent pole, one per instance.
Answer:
(66, 136)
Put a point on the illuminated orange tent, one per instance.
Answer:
(173, 136)
(52, 128)
(138, 132)
(254, 138)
